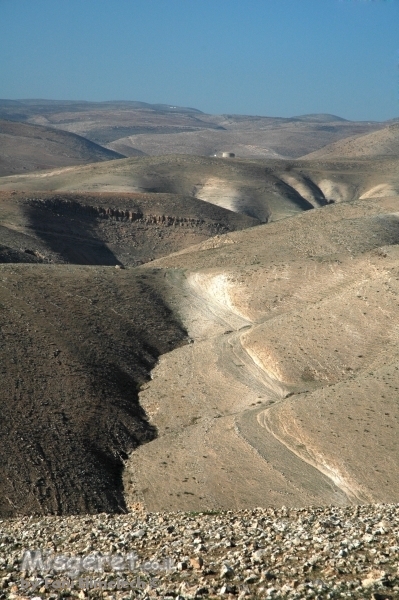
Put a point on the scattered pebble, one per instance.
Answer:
(333, 552)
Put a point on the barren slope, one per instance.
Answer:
(288, 394)
(244, 187)
(289, 388)
(133, 127)
(25, 148)
(247, 137)
(76, 343)
(267, 190)
(103, 122)
(108, 228)
(376, 144)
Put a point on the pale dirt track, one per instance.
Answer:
(288, 394)
(214, 450)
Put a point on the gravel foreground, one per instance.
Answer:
(349, 552)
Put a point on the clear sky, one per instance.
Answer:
(264, 57)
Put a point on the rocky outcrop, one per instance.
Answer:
(61, 206)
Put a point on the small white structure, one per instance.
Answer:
(228, 155)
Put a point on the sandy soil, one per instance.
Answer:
(292, 369)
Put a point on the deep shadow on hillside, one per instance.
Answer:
(70, 232)
(76, 344)
(106, 228)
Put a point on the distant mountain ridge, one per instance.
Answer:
(319, 118)
(7, 106)
(134, 128)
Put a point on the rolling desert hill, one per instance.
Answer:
(288, 393)
(184, 332)
(132, 128)
(79, 337)
(267, 190)
(239, 186)
(382, 143)
(106, 228)
(103, 122)
(251, 137)
(25, 148)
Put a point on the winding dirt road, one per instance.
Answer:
(216, 404)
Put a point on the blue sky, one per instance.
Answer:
(265, 57)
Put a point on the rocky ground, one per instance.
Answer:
(312, 552)
(73, 354)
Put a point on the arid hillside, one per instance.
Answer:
(197, 333)
(104, 122)
(76, 343)
(239, 186)
(288, 395)
(381, 143)
(293, 352)
(25, 148)
(250, 137)
(106, 228)
(134, 128)
(267, 190)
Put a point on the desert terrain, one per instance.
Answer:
(107, 228)
(25, 148)
(297, 400)
(380, 143)
(199, 354)
(77, 333)
(189, 332)
(267, 190)
(137, 128)
(317, 552)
